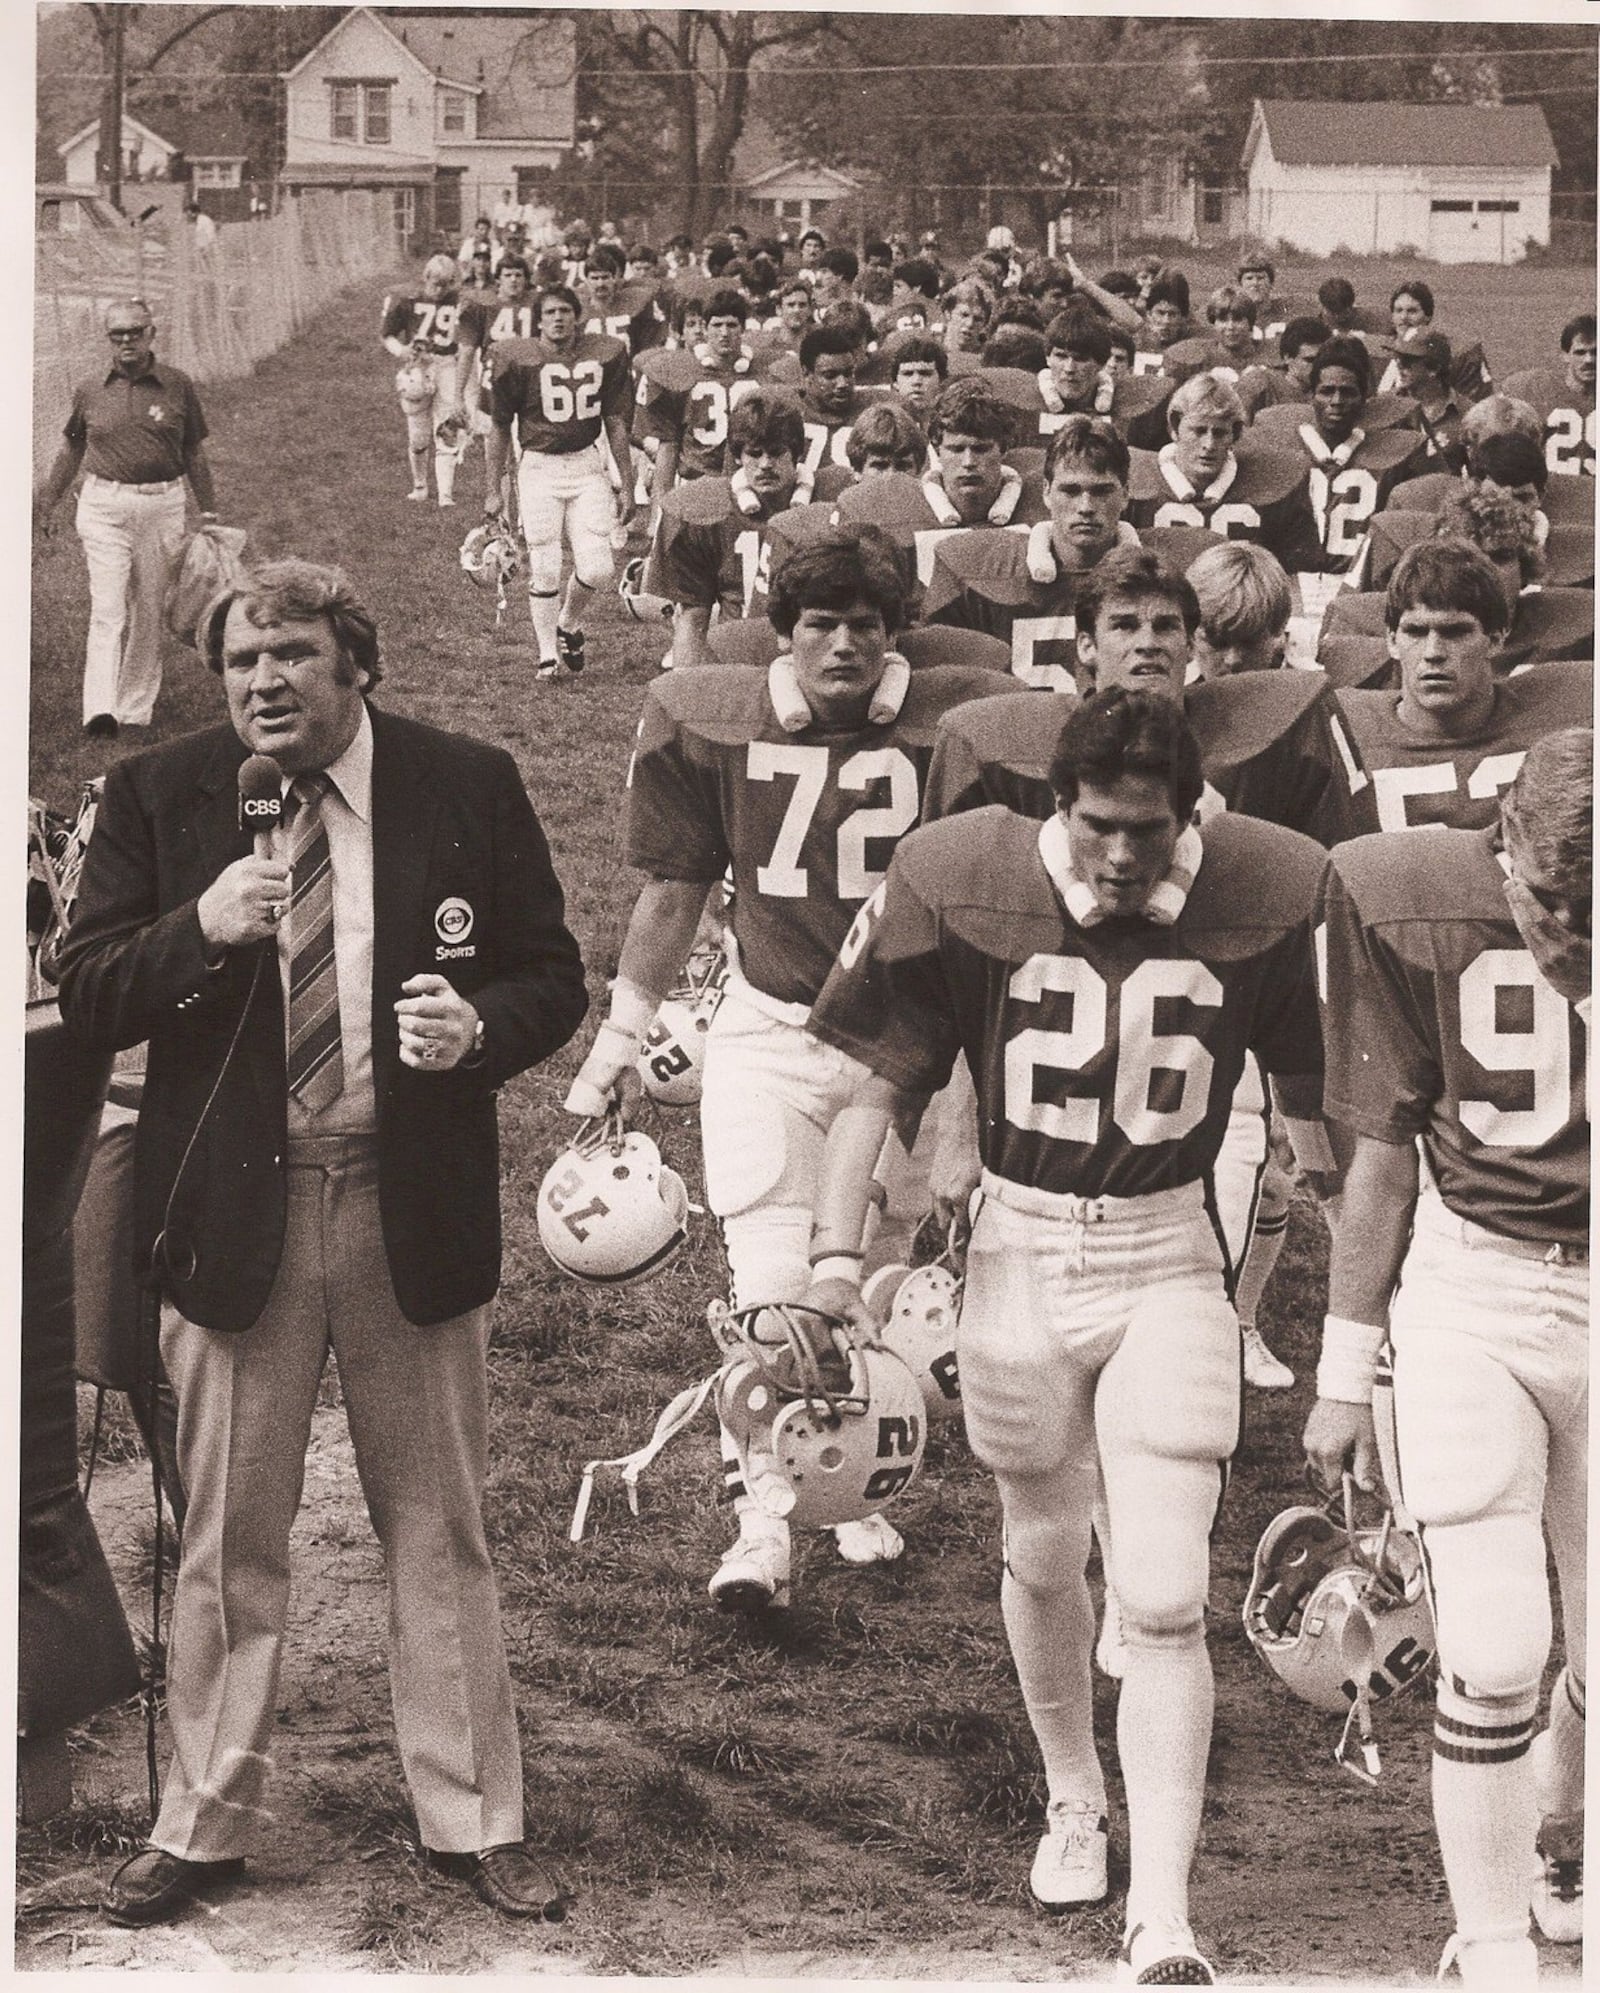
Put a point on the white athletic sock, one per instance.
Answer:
(1260, 1257)
(574, 603)
(543, 608)
(419, 468)
(1486, 1811)
(1163, 1741)
(1558, 1755)
(1051, 1635)
(444, 469)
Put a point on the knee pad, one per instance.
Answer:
(592, 564)
(1491, 1605)
(1171, 1391)
(1170, 1630)
(419, 429)
(769, 1254)
(1045, 1553)
(544, 568)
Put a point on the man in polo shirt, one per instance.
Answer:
(137, 433)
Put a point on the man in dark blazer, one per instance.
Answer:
(317, 1167)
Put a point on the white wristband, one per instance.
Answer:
(633, 1010)
(838, 1266)
(1349, 1360)
(1312, 1149)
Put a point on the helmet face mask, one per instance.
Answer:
(490, 556)
(609, 1210)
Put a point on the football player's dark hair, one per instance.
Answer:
(768, 246)
(1135, 572)
(1447, 574)
(1121, 341)
(791, 286)
(680, 242)
(1082, 335)
(606, 256)
(840, 262)
(1581, 327)
(719, 257)
(1549, 808)
(917, 346)
(642, 252)
(1257, 262)
(482, 221)
(298, 591)
(762, 273)
(853, 316)
(1091, 440)
(850, 564)
(1120, 283)
(691, 304)
(1014, 345)
(1336, 294)
(1013, 310)
(970, 290)
(886, 426)
(1171, 287)
(514, 263)
(919, 275)
(727, 303)
(875, 286)
(1044, 274)
(1497, 524)
(877, 252)
(825, 339)
(1413, 287)
(562, 294)
(1300, 333)
(1119, 732)
(968, 406)
(765, 420)
(1350, 354)
(1509, 458)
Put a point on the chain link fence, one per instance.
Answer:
(218, 309)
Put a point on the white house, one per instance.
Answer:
(146, 155)
(1461, 183)
(447, 109)
(797, 192)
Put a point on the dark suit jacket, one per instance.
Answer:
(450, 821)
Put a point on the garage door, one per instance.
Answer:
(1475, 231)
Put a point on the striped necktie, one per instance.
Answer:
(316, 1053)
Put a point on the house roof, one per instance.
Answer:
(92, 129)
(1307, 133)
(525, 70)
(196, 133)
(801, 169)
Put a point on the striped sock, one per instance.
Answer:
(1485, 1810)
(1560, 1757)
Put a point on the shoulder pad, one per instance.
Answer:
(1556, 693)
(721, 702)
(1429, 875)
(1144, 475)
(1235, 718)
(1255, 874)
(1020, 733)
(669, 367)
(1267, 476)
(703, 501)
(1015, 387)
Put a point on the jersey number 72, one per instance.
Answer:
(783, 876)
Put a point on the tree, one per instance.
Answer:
(670, 94)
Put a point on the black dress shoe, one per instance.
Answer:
(152, 1886)
(508, 1879)
(101, 726)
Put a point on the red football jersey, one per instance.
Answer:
(1346, 487)
(806, 819)
(559, 402)
(1272, 744)
(1205, 354)
(686, 400)
(1569, 418)
(915, 513)
(1265, 499)
(1134, 405)
(1445, 1030)
(430, 320)
(633, 317)
(1105, 1058)
(709, 551)
(1421, 780)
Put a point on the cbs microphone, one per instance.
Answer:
(260, 801)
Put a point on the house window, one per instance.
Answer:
(344, 103)
(455, 111)
(405, 210)
(376, 122)
(217, 172)
(1499, 207)
(1451, 207)
(1211, 207)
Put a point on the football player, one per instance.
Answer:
(915, 297)
(419, 328)
(1458, 967)
(1564, 398)
(618, 309)
(562, 391)
(1076, 381)
(967, 307)
(1197, 480)
(1245, 603)
(1262, 386)
(784, 333)
(711, 550)
(884, 438)
(1256, 277)
(507, 315)
(918, 368)
(1351, 471)
(1546, 623)
(685, 398)
(1106, 975)
(1441, 749)
(1411, 313)
(971, 484)
(836, 273)
(1336, 300)
(1420, 373)
(830, 401)
(801, 778)
(1166, 321)
(1227, 349)
(477, 280)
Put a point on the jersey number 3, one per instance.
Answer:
(1141, 1050)
(783, 876)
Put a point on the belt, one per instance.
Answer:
(1553, 1252)
(155, 490)
(1034, 1202)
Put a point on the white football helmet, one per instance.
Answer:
(453, 432)
(672, 1062)
(921, 1330)
(641, 607)
(609, 1209)
(490, 555)
(828, 1430)
(1341, 1616)
(416, 385)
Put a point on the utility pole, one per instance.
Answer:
(113, 143)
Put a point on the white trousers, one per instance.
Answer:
(132, 536)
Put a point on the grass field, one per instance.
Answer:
(855, 1784)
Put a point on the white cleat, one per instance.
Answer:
(1110, 1650)
(1504, 1965)
(1069, 1869)
(1261, 1368)
(1162, 1952)
(418, 494)
(870, 1541)
(1557, 1895)
(754, 1573)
